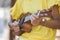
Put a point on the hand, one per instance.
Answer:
(35, 20)
(14, 26)
(55, 12)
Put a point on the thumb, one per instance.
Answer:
(38, 13)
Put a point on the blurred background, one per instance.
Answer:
(4, 19)
(5, 5)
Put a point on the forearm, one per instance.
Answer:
(55, 24)
(12, 35)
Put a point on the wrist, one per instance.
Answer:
(42, 21)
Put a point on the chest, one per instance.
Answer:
(31, 5)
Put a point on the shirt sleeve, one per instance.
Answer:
(16, 10)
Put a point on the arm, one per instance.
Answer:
(12, 2)
(55, 24)
(12, 35)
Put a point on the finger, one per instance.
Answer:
(38, 13)
(32, 18)
(35, 16)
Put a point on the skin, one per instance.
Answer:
(12, 2)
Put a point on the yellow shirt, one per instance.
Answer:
(39, 32)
